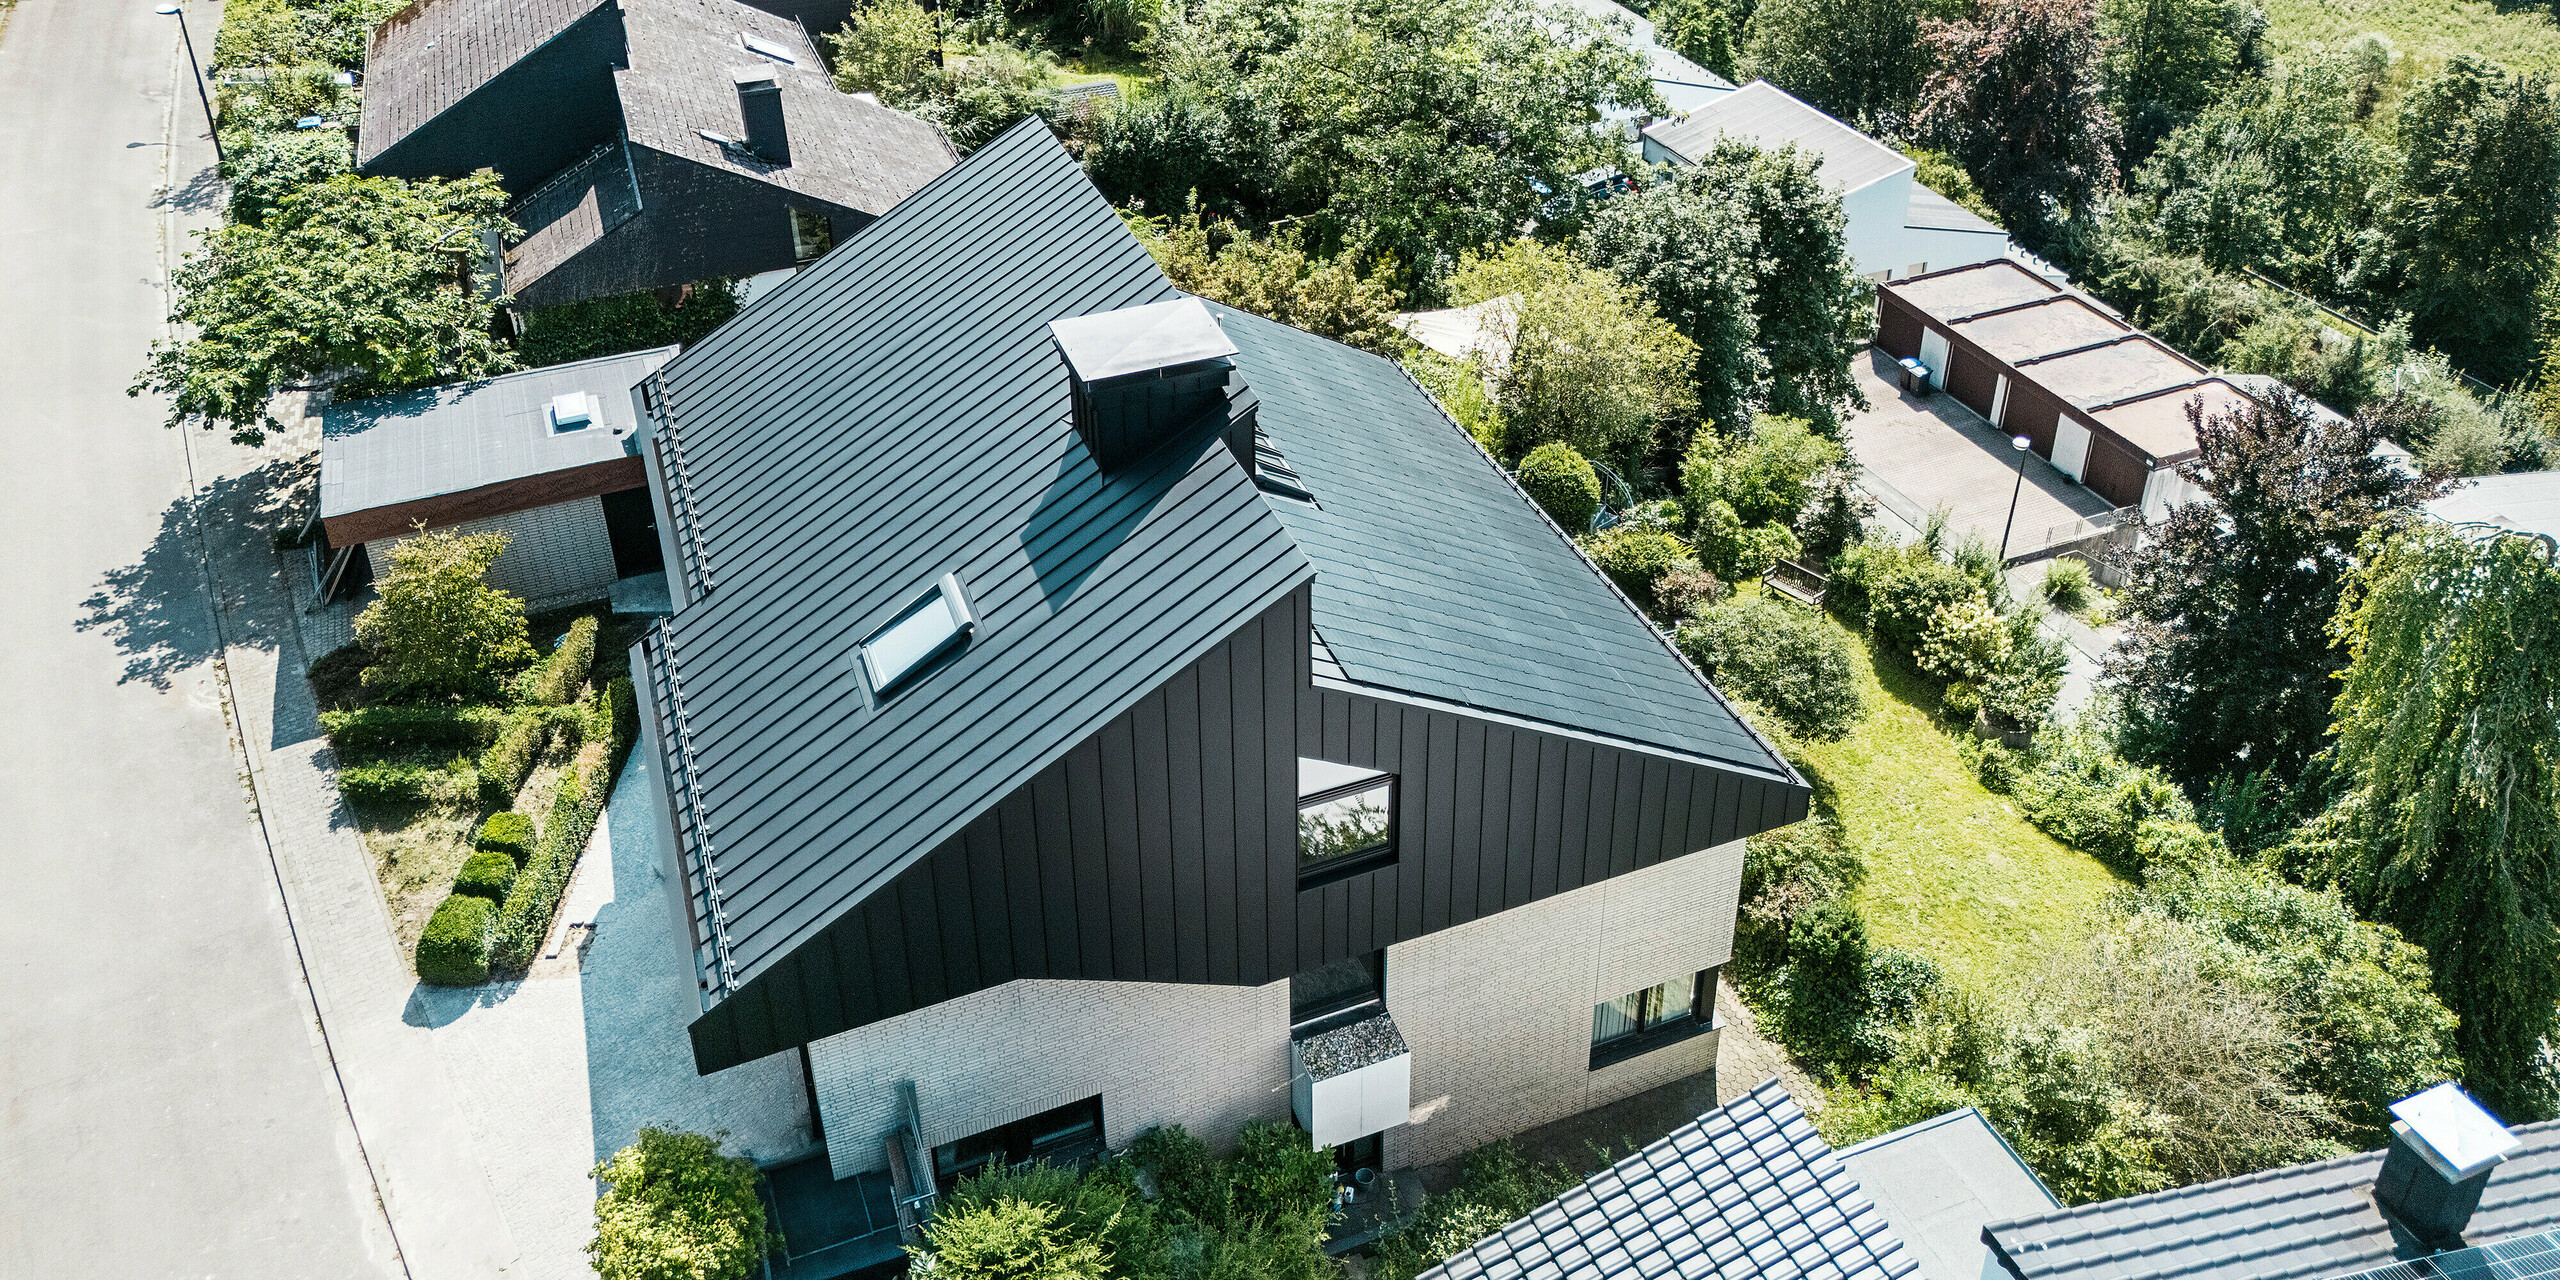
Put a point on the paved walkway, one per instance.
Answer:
(174, 1108)
(1919, 455)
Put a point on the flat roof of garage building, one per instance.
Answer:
(1950, 296)
(2158, 425)
(2117, 371)
(2042, 329)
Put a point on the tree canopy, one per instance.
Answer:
(1578, 357)
(1276, 276)
(2448, 721)
(2013, 94)
(364, 284)
(1852, 58)
(439, 626)
(2164, 61)
(673, 1206)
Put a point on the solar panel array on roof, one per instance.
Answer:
(1747, 1191)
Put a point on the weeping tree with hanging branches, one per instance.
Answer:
(2448, 730)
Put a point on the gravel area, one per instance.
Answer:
(1350, 1048)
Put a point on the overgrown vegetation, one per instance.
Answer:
(673, 1206)
(625, 322)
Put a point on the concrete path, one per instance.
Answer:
(173, 1107)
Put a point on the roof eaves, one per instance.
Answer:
(1784, 769)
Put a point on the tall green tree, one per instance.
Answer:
(1699, 30)
(2225, 668)
(2465, 237)
(1852, 58)
(1579, 356)
(439, 626)
(2164, 60)
(362, 284)
(1694, 255)
(2449, 746)
(1811, 305)
(2013, 94)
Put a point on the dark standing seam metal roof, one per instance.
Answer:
(431, 55)
(1747, 1190)
(895, 413)
(1435, 577)
(2296, 1223)
(420, 444)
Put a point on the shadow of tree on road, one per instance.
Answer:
(156, 609)
(202, 192)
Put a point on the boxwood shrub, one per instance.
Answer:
(487, 874)
(555, 680)
(454, 951)
(406, 784)
(510, 833)
(504, 765)
(1562, 481)
(535, 895)
(380, 730)
(622, 704)
(1637, 559)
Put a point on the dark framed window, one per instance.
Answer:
(1642, 1021)
(811, 235)
(1346, 821)
(1064, 1136)
(1337, 994)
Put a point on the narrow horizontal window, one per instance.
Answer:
(1346, 819)
(936, 621)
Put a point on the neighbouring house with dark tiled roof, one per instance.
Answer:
(648, 143)
(2454, 1193)
(1088, 708)
(1749, 1191)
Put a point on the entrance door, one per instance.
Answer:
(631, 523)
(2000, 403)
(2070, 448)
(1933, 353)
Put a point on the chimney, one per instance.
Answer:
(2443, 1149)
(1142, 375)
(760, 102)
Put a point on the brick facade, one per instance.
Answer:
(1498, 1012)
(556, 555)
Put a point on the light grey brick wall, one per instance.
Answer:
(556, 555)
(1204, 1057)
(1498, 1010)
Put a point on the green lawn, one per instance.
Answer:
(1954, 872)
(2429, 30)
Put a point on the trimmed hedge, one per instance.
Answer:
(380, 730)
(504, 765)
(622, 707)
(510, 833)
(454, 951)
(535, 896)
(556, 679)
(1564, 483)
(406, 784)
(487, 874)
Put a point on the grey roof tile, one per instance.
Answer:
(432, 54)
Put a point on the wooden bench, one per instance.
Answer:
(1797, 582)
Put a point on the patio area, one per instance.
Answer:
(1917, 455)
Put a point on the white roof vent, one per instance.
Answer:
(2455, 1130)
(572, 412)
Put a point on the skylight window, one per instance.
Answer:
(775, 50)
(936, 621)
(572, 412)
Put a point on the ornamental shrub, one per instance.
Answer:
(2067, 586)
(1638, 559)
(1277, 1175)
(510, 757)
(531, 901)
(1010, 1240)
(674, 1208)
(1564, 483)
(439, 626)
(1105, 1205)
(1825, 1005)
(379, 730)
(1835, 513)
(1790, 660)
(454, 950)
(1964, 641)
(1685, 591)
(1736, 552)
(2080, 792)
(622, 708)
(408, 783)
(1908, 589)
(486, 874)
(555, 680)
(510, 833)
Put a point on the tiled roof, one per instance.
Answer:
(1769, 118)
(432, 54)
(845, 150)
(1746, 1191)
(2303, 1222)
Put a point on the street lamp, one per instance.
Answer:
(2020, 444)
(173, 11)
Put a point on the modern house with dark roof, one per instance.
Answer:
(1749, 1191)
(548, 457)
(2454, 1194)
(2103, 401)
(648, 143)
(1896, 226)
(1089, 708)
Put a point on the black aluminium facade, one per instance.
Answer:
(1101, 782)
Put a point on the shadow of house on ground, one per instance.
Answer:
(156, 609)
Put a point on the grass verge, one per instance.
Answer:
(1954, 872)
(2428, 30)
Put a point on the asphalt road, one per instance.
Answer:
(170, 1108)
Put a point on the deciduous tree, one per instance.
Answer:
(1577, 355)
(1852, 58)
(1276, 276)
(674, 1208)
(2013, 94)
(439, 626)
(2164, 60)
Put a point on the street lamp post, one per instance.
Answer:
(2020, 444)
(211, 128)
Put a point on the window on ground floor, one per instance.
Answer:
(1641, 1021)
(1337, 994)
(1065, 1136)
